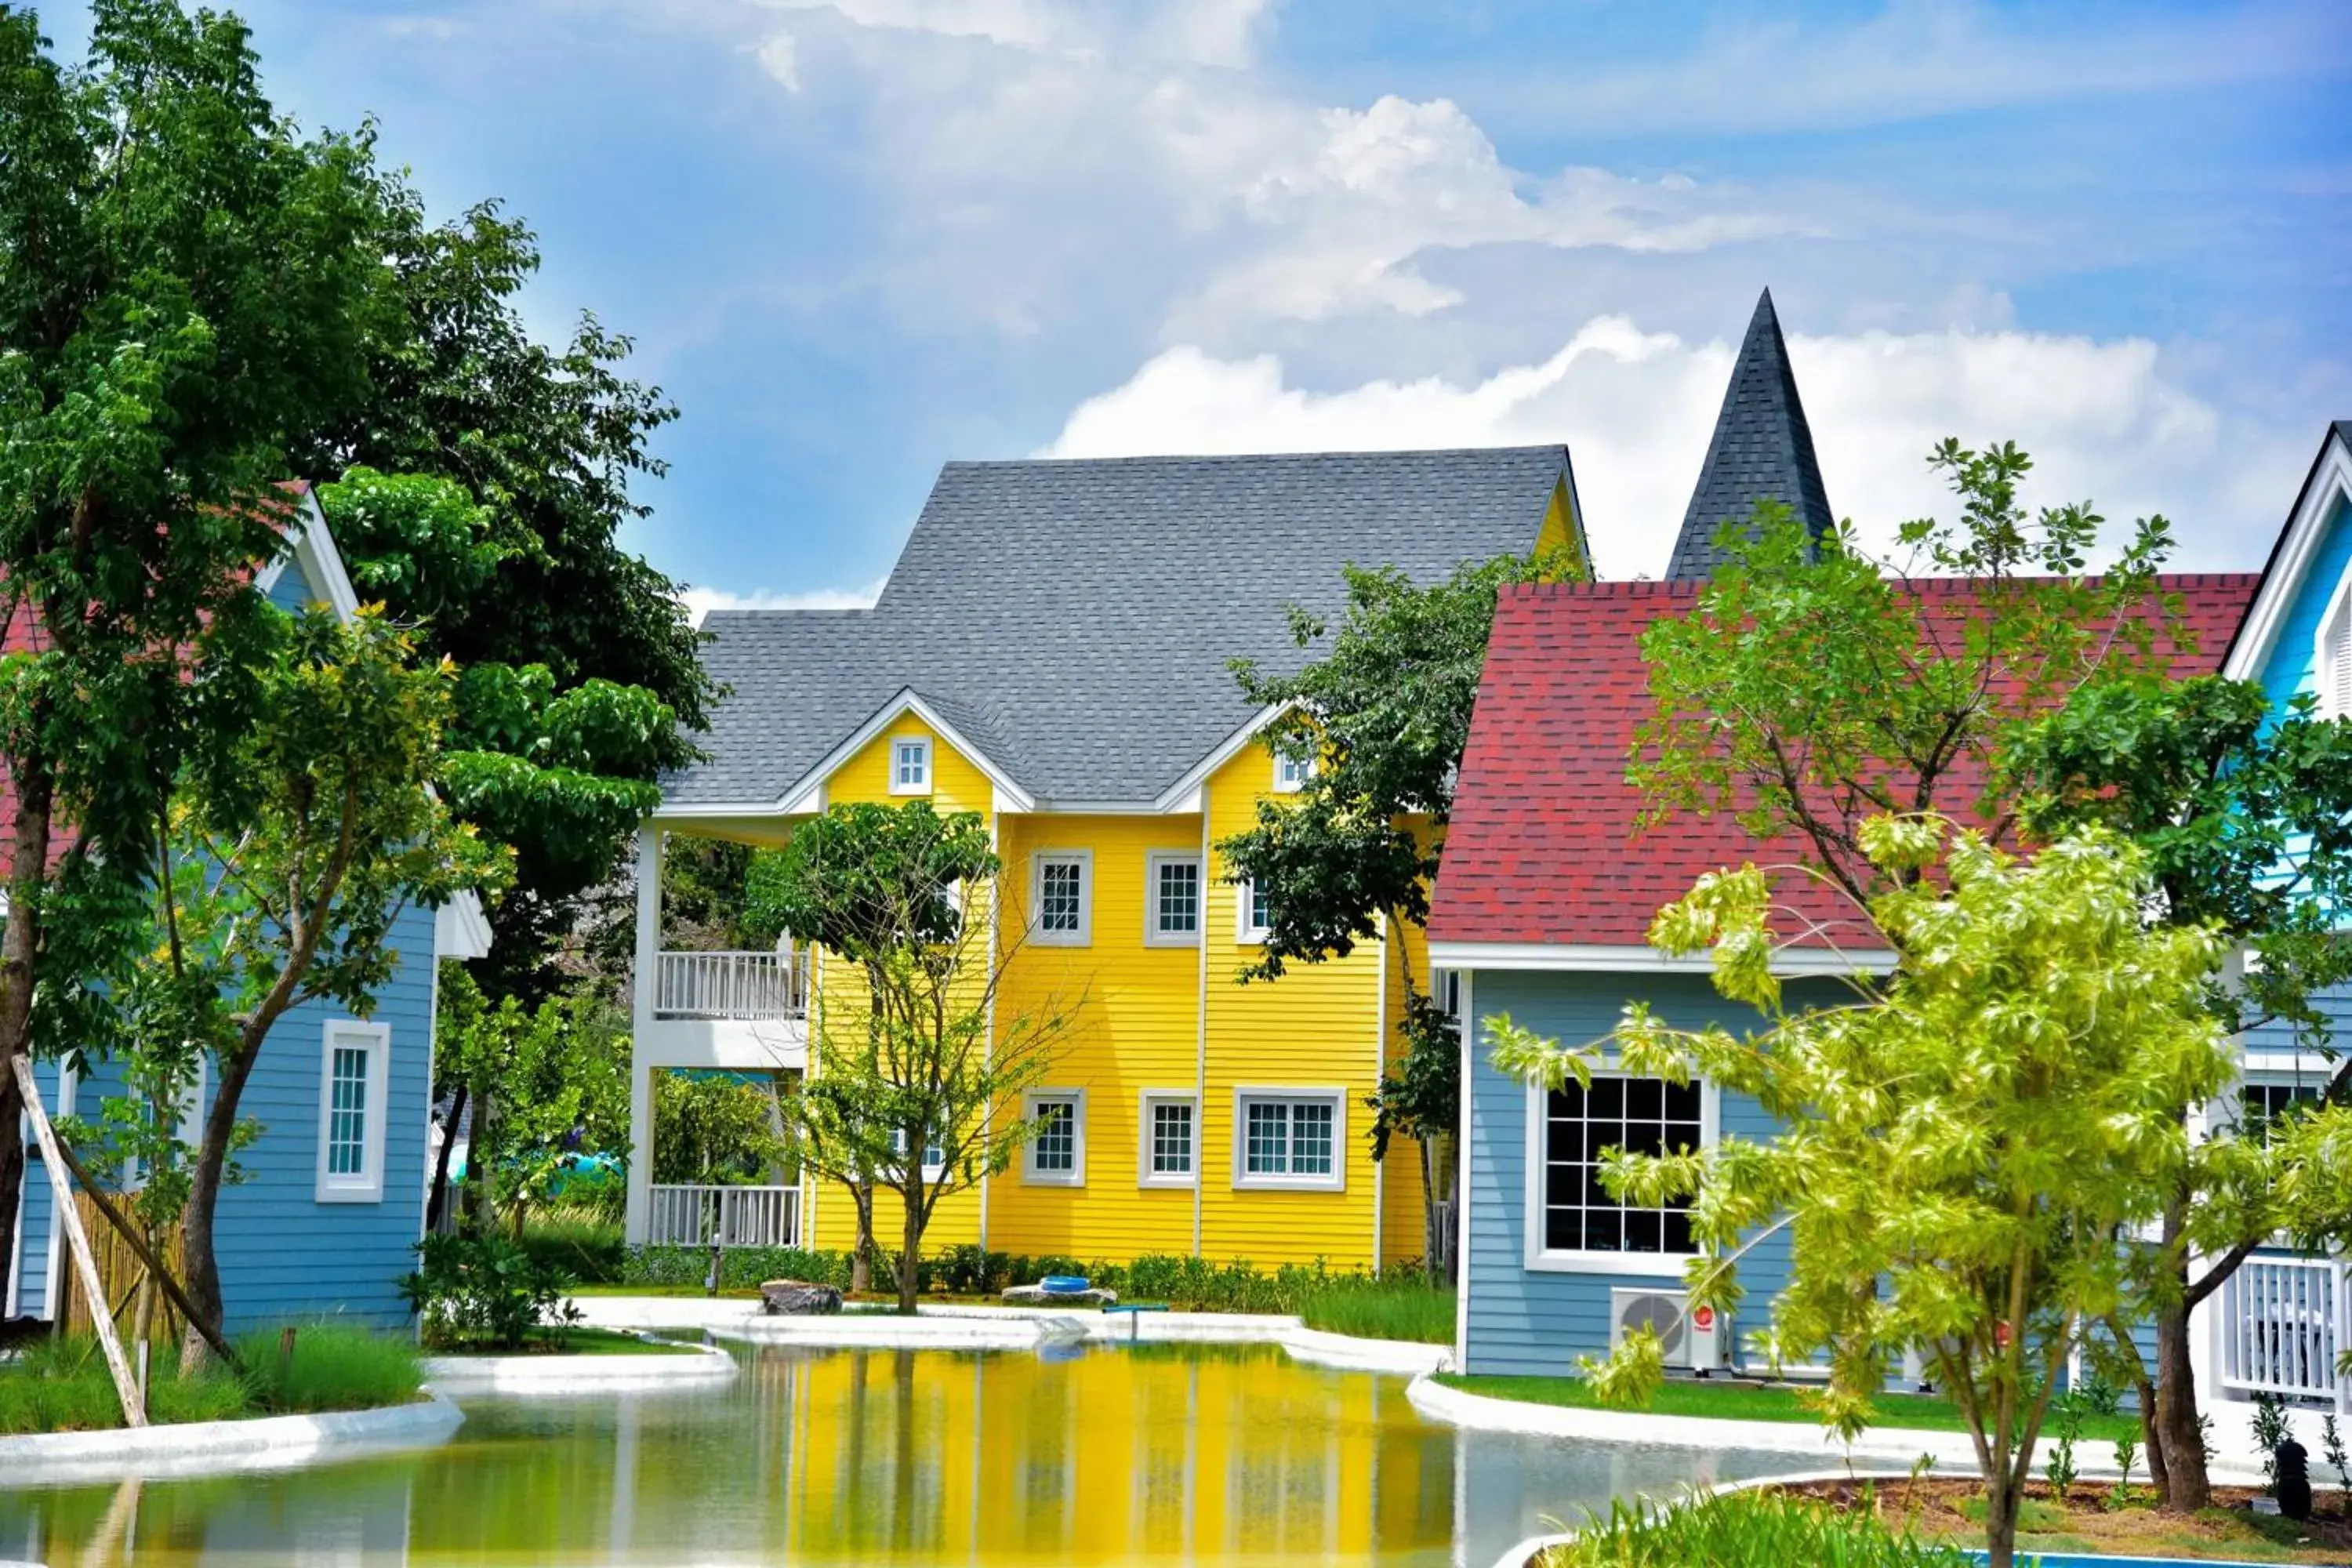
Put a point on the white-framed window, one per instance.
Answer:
(1291, 774)
(1055, 1156)
(1295, 1138)
(935, 1157)
(187, 1131)
(1170, 1128)
(2264, 1101)
(1446, 990)
(2331, 668)
(1251, 913)
(911, 764)
(1173, 892)
(354, 1067)
(1061, 898)
(1573, 1225)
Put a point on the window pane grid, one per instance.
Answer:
(1288, 1136)
(1058, 896)
(1643, 1116)
(912, 758)
(1172, 1140)
(1055, 1151)
(1177, 907)
(347, 1113)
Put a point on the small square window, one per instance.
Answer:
(1056, 1153)
(1172, 911)
(910, 766)
(1289, 1138)
(1169, 1125)
(1291, 773)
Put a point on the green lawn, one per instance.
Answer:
(1723, 1399)
(583, 1340)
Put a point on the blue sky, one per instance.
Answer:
(856, 239)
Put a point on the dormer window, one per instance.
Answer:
(910, 766)
(1291, 774)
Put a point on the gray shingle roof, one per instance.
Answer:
(1072, 618)
(1762, 449)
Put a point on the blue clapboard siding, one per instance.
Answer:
(39, 1207)
(283, 1255)
(1524, 1322)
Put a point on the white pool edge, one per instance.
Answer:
(551, 1374)
(189, 1449)
(980, 1327)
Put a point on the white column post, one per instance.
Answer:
(641, 1079)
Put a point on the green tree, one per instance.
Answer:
(545, 1083)
(295, 838)
(182, 285)
(1963, 1144)
(916, 1079)
(1382, 717)
(2246, 821)
(1419, 1098)
(716, 1129)
(1811, 688)
(545, 442)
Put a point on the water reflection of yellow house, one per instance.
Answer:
(1123, 1456)
(1052, 652)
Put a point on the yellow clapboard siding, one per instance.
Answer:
(1135, 1026)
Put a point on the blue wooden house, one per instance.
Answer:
(335, 1188)
(1542, 909)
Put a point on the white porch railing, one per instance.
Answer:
(2282, 1322)
(732, 1217)
(748, 985)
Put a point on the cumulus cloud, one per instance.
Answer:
(700, 602)
(2104, 420)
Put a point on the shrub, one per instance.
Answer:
(579, 1241)
(335, 1366)
(741, 1268)
(484, 1293)
(1744, 1530)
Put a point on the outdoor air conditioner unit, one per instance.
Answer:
(1692, 1340)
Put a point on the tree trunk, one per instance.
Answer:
(2187, 1487)
(1432, 1237)
(202, 1268)
(911, 1251)
(861, 1255)
(2159, 1471)
(440, 1200)
(18, 942)
(2001, 1521)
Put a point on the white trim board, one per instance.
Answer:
(1593, 958)
(322, 563)
(1171, 799)
(2330, 479)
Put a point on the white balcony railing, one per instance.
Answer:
(2283, 1323)
(749, 986)
(732, 1217)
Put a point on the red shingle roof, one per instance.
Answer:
(1543, 846)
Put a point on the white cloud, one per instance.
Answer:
(700, 602)
(2102, 419)
(779, 56)
(1202, 32)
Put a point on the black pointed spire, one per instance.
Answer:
(1762, 450)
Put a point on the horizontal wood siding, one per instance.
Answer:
(1523, 1321)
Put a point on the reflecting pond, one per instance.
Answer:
(1138, 1454)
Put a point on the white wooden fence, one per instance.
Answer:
(2283, 1323)
(732, 1217)
(749, 986)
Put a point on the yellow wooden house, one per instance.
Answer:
(1052, 651)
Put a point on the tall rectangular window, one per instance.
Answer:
(1174, 916)
(354, 1063)
(347, 1115)
(1056, 1156)
(1254, 914)
(1171, 1120)
(1062, 903)
(1639, 1115)
(910, 766)
(1289, 1139)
